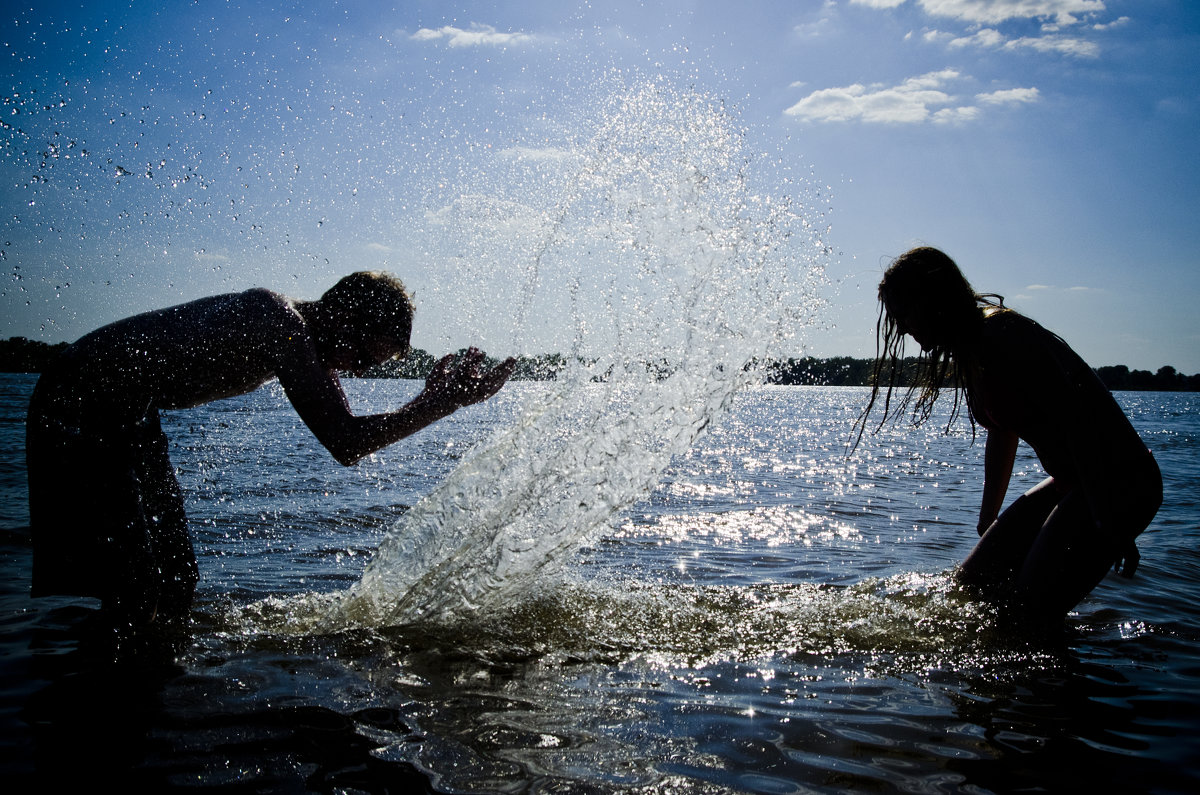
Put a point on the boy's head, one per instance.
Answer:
(370, 314)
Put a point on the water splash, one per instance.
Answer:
(912, 621)
(905, 623)
(664, 275)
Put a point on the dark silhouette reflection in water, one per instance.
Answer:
(84, 709)
(78, 708)
(1081, 723)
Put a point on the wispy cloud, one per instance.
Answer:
(992, 39)
(986, 39)
(812, 30)
(1009, 96)
(1116, 23)
(820, 23)
(1059, 45)
(981, 16)
(1032, 291)
(959, 115)
(475, 36)
(925, 98)
(992, 12)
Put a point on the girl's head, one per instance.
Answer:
(924, 295)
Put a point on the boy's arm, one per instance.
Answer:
(317, 395)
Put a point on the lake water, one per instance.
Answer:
(771, 617)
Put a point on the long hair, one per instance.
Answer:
(927, 281)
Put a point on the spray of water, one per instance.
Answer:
(662, 275)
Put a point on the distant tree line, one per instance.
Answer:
(418, 363)
(847, 371)
(1165, 379)
(21, 355)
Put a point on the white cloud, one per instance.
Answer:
(1009, 96)
(1045, 287)
(910, 102)
(917, 100)
(931, 79)
(878, 3)
(988, 37)
(380, 248)
(959, 115)
(476, 36)
(1063, 45)
(1116, 23)
(992, 12)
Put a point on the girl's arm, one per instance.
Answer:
(998, 458)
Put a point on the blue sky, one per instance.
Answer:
(156, 152)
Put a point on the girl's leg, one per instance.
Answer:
(1074, 551)
(1069, 558)
(992, 566)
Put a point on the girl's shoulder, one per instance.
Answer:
(1026, 344)
(1007, 327)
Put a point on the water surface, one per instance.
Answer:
(772, 617)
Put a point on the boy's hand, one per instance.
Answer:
(460, 380)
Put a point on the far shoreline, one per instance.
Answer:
(21, 355)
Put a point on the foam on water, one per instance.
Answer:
(915, 621)
(904, 623)
(663, 274)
